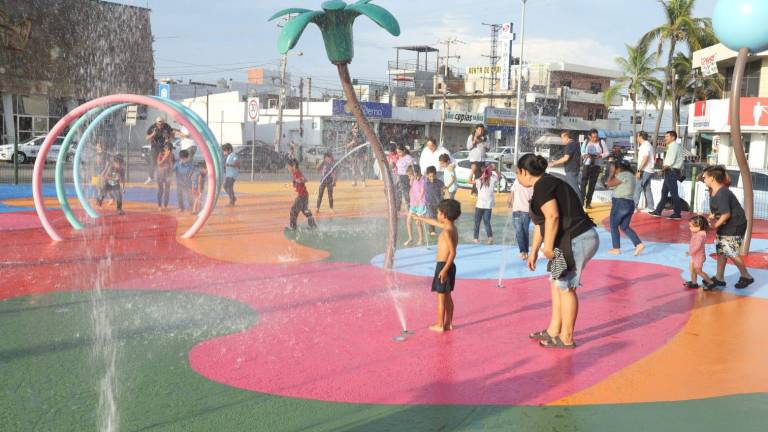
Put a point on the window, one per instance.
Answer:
(565, 83)
(636, 120)
(600, 114)
(591, 114)
(596, 87)
(751, 85)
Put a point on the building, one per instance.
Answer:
(646, 118)
(708, 121)
(55, 54)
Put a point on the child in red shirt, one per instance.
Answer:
(301, 203)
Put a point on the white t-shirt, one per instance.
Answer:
(430, 158)
(646, 149)
(521, 200)
(186, 141)
(476, 154)
(486, 197)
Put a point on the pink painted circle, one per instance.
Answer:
(325, 333)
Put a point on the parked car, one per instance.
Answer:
(27, 151)
(314, 155)
(505, 154)
(266, 158)
(463, 172)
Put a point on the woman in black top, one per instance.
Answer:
(731, 224)
(567, 237)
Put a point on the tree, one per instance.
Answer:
(637, 77)
(335, 21)
(690, 88)
(680, 28)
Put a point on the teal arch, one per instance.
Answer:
(60, 163)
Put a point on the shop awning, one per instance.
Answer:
(614, 134)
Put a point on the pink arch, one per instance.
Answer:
(37, 176)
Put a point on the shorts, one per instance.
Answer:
(584, 248)
(447, 286)
(418, 210)
(729, 246)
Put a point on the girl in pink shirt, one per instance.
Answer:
(418, 202)
(696, 250)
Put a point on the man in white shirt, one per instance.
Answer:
(187, 143)
(592, 153)
(673, 164)
(645, 172)
(430, 156)
(477, 144)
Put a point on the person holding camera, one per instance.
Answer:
(592, 155)
(672, 168)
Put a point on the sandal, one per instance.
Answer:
(691, 285)
(556, 343)
(744, 282)
(540, 335)
(717, 283)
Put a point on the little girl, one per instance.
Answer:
(698, 226)
(418, 206)
(486, 199)
(163, 175)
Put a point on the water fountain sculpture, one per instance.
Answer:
(740, 25)
(335, 21)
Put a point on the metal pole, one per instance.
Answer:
(280, 103)
(301, 107)
(253, 152)
(445, 92)
(221, 128)
(738, 145)
(128, 155)
(519, 85)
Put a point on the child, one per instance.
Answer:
(183, 169)
(474, 173)
(448, 211)
(434, 194)
(113, 179)
(198, 186)
(486, 199)
(301, 203)
(418, 200)
(404, 160)
(231, 173)
(520, 202)
(698, 226)
(163, 174)
(328, 177)
(449, 175)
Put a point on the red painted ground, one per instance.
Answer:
(19, 221)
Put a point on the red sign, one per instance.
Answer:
(754, 112)
(700, 109)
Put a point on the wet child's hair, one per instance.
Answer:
(431, 170)
(700, 221)
(450, 208)
(184, 154)
(444, 158)
(227, 148)
(168, 146)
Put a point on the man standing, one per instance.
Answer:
(187, 143)
(571, 161)
(645, 171)
(672, 166)
(360, 157)
(592, 155)
(157, 135)
(477, 144)
(430, 157)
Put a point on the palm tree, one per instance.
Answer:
(638, 70)
(689, 88)
(335, 21)
(680, 28)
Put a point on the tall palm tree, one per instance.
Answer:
(680, 28)
(335, 21)
(637, 77)
(689, 88)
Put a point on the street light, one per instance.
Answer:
(519, 84)
(281, 99)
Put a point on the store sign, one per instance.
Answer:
(700, 115)
(370, 109)
(754, 112)
(506, 39)
(461, 117)
(709, 66)
(499, 116)
(482, 70)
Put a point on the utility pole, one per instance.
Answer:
(301, 108)
(520, 85)
(444, 109)
(493, 58)
(281, 103)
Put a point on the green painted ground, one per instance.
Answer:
(49, 378)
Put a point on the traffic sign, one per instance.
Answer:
(164, 90)
(131, 114)
(252, 109)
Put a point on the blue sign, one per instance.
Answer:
(164, 90)
(370, 109)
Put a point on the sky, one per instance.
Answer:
(204, 40)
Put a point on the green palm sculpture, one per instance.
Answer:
(335, 22)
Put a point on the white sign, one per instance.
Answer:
(709, 66)
(506, 32)
(462, 117)
(131, 114)
(506, 53)
(252, 108)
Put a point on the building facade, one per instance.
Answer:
(55, 54)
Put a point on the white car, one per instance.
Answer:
(505, 154)
(463, 172)
(27, 152)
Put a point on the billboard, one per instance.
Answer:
(371, 110)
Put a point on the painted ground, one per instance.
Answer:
(249, 327)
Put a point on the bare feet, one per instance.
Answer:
(490, 241)
(333, 212)
(317, 212)
(475, 241)
(639, 249)
(449, 327)
(408, 242)
(420, 242)
(433, 234)
(437, 328)
(523, 256)
(614, 252)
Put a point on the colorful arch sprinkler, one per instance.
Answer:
(199, 133)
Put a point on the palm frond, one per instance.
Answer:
(294, 28)
(377, 14)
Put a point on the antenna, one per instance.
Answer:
(493, 59)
